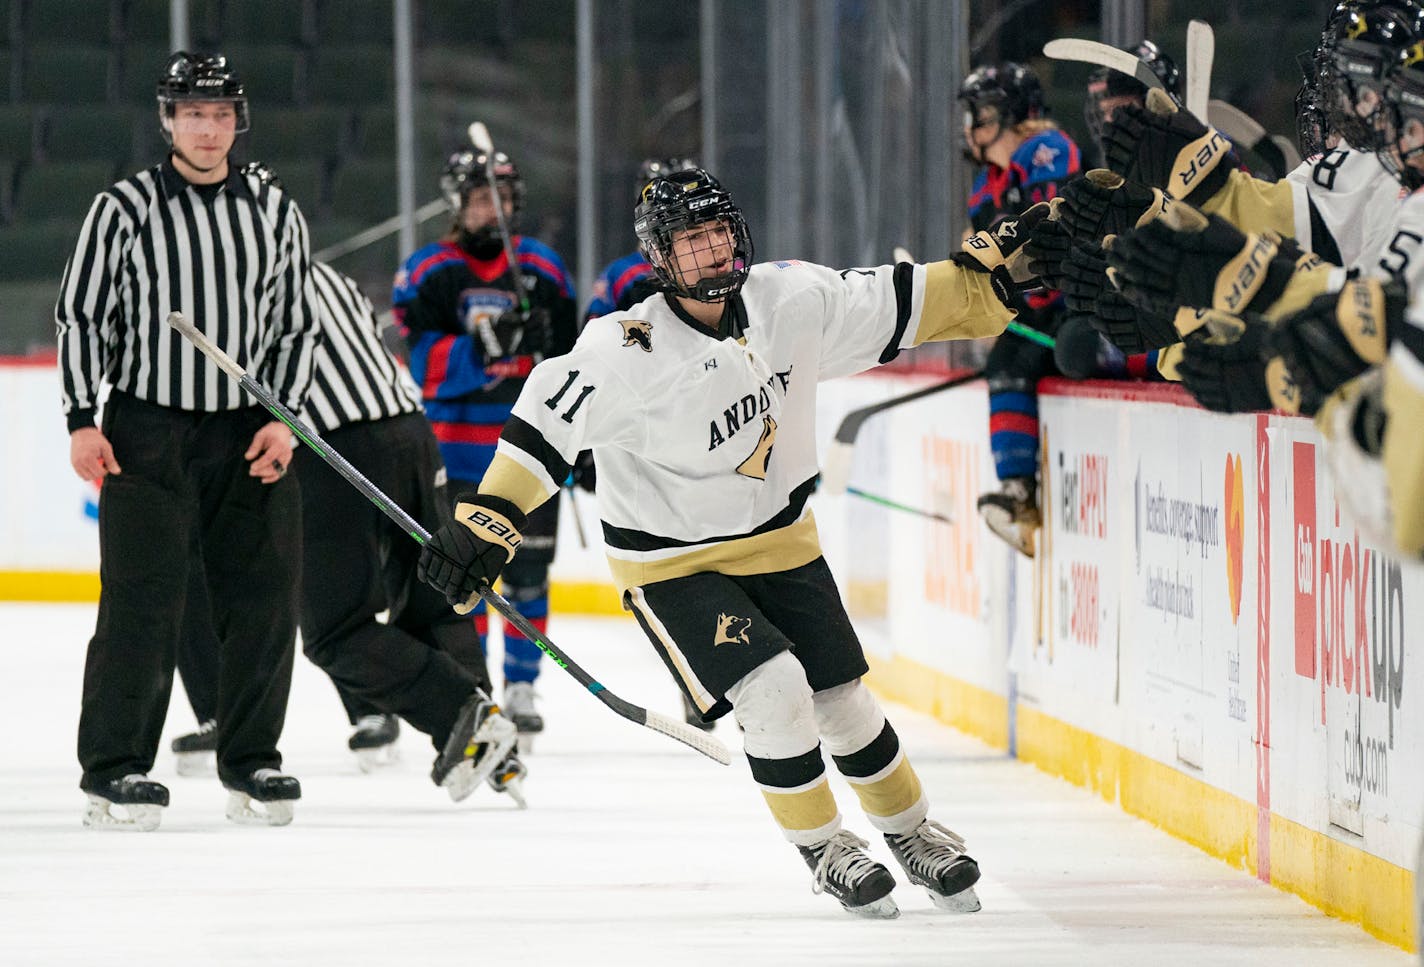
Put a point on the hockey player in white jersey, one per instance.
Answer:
(699, 405)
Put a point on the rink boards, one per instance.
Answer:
(1204, 637)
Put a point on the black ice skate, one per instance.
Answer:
(1012, 513)
(845, 872)
(275, 791)
(693, 717)
(195, 751)
(934, 858)
(481, 739)
(508, 777)
(374, 741)
(142, 799)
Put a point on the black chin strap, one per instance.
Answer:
(196, 167)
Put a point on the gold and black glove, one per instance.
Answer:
(1102, 203)
(1339, 336)
(1163, 147)
(471, 550)
(1000, 252)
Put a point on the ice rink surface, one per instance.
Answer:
(635, 851)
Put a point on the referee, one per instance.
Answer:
(424, 663)
(183, 451)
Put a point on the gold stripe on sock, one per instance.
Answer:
(892, 793)
(809, 809)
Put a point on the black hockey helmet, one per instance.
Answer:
(465, 171)
(1403, 116)
(200, 77)
(672, 204)
(1108, 83)
(1361, 45)
(1012, 89)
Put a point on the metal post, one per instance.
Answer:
(405, 124)
(587, 212)
(707, 36)
(938, 133)
(961, 173)
(1123, 22)
(826, 22)
(178, 33)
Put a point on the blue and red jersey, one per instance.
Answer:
(1037, 170)
(442, 295)
(614, 289)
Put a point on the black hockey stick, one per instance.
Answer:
(835, 471)
(673, 728)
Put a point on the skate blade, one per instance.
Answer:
(190, 764)
(1017, 535)
(374, 760)
(514, 788)
(140, 818)
(498, 736)
(881, 909)
(276, 812)
(965, 901)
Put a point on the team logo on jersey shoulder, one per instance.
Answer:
(732, 630)
(755, 465)
(638, 332)
(1044, 156)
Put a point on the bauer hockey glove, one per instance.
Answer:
(1086, 289)
(1190, 259)
(1164, 147)
(471, 550)
(1048, 245)
(1226, 375)
(1339, 336)
(1101, 203)
(999, 251)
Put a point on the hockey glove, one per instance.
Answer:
(1226, 375)
(1102, 203)
(1086, 289)
(1047, 246)
(1163, 147)
(470, 551)
(1339, 336)
(521, 334)
(1190, 259)
(999, 251)
(584, 473)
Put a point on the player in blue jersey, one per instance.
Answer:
(473, 340)
(629, 279)
(1025, 159)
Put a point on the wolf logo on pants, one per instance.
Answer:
(731, 630)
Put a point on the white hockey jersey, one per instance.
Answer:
(705, 441)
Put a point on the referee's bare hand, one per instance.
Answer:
(90, 454)
(270, 453)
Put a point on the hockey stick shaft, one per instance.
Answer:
(835, 470)
(696, 738)
(896, 505)
(1201, 53)
(480, 138)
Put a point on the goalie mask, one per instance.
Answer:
(693, 235)
(1106, 85)
(197, 77)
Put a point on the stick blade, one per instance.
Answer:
(704, 742)
(480, 137)
(1095, 52)
(835, 470)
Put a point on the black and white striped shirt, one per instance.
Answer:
(232, 257)
(356, 380)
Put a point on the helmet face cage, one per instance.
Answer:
(196, 77)
(1403, 116)
(672, 208)
(465, 171)
(1108, 83)
(1312, 128)
(1359, 46)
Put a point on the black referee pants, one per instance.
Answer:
(184, 474)
(425, 661)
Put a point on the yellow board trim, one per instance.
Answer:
(569, 597)
(1339, 878)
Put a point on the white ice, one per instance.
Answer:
(635, 851)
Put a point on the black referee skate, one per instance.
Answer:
(274, 790)
(142, 799)
(934, 858)
(374, 741)
(481, 739)
(195, 751)
(844, 871)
